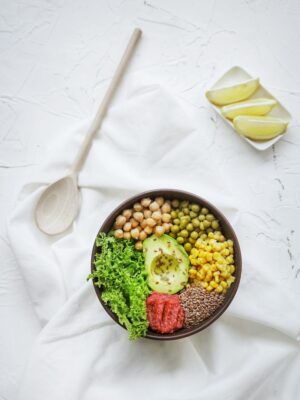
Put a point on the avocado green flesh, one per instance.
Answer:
(166, 263)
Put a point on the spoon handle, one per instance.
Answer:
(96, 124)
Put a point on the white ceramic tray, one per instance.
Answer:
(236, 75)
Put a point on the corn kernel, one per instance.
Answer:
(194, 252)
(194, 262)
(213, 284)
(226, 275)
(224, 285)
(229, 259)
(210, 235)
(209, 288)
(217, 279)
(204, 284)
(219, 289)
(232, 269)
(225, 252)
(202, 275)
(209, 257)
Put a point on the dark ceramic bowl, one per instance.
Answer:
(228, 232)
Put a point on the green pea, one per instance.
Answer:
(202, 226)
(172, 235)
(186, 210)
(180, 214)
(203, 236)
(175, 203)
(204, 211)
(206, 223)
(176, 221)
(189, 227)
(180, 240)
(173, 214)
(175, 228)
(201, 218)
(192, 241)
(210, 217)
(195, 208)
(194, 235)
(188, 247)
(195, 222)
(184, 204)
(209, 230)
(186, 218)
(184, 233)
(183, 223)
(215, 224)
(193, 214)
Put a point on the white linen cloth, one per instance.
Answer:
(149, 140)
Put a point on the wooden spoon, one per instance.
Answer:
(59, 204)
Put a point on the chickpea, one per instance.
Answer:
(138, 216)
(159, 230)
(156, 215)
(166, 217)
(119, 234)
(142, 235)
(166, 208)
(175, 203)
(147, 213)
(127, 235)
(146, 202)
(127, 214)
(120, 221)
(150, 222)
(133, 222)
(144, 224)
(127, 227)
(154, 206)
(138, 207)
(135, 233)
(160, 201)
(148, 230)
(166, 226)
(138, 245)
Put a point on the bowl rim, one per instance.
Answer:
(185, 332)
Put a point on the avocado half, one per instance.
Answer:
(166, 263)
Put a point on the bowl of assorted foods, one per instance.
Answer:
(165, 264)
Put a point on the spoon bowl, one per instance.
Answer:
(58, 205)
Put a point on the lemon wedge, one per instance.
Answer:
(248, 107)
(232, 94)
(259, 128)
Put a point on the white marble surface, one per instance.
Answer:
(56, 60)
